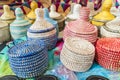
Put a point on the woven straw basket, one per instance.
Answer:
(77, 54)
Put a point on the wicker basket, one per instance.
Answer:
(19, 27)
(77, 54)
(81, 27)
(28, 59)
(43, 30)
(108, 53)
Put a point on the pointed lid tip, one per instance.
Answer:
(18, 11)
(6, 7)
(39, 12)
(34, 5)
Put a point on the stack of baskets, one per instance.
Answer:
(43, 30)
(28, 59)
(81, 27)
(77, 54)
(108, 53)
(19, 26)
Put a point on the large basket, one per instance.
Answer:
(108, 53)
(28, 59)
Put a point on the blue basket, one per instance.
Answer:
(29, 58)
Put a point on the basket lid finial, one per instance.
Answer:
(39, 13)
(19, 13)
(33, 5)
(8, 14)
(53, 13)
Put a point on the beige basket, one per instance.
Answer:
(77, 54)
(4, 32)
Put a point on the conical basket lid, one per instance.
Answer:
(27, 48)
(8, 14)
(40, 23)
(20, 19)
(82, 25)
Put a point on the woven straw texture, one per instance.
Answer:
(108, 55)
(77, 54)
(4, 32)
(28, 59)
(81, 27)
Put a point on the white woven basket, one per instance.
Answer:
(77, 54)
